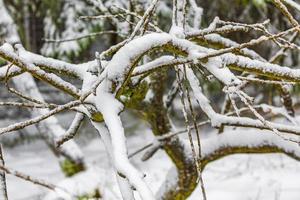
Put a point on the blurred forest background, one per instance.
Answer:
(41, 22)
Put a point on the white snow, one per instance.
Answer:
(237, 177)
(79, 185)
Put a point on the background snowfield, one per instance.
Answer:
(236, 177)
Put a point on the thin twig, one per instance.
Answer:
(200, 178)
(3, 187)
(179, 78)
(28, 105)
(73, 129)
(79, 37)
(267, 81)
(28, 178)
(21, 125)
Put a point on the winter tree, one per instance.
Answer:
(208, 78)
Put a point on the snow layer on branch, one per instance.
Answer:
(267, 68)
(122, 60)
(54, 64)
(106, 102)
(217, 65)
(13, 70)
(7, 51)
(110, 108)
(216, 144)
(229, 43)
(197, 91)
(152, 64)
(251, 138)
(124, 186)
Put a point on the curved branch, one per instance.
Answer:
(246, 141)
(72, 130)
(110, 109)
(241, 141)
(125, 187)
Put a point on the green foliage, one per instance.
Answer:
(2, 62)
(70, 168)
(54, 8)
(95, 195)
(260, 3)
(296, 89)
(214, 87)
(257, 3)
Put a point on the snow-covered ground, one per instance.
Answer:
(237, 177)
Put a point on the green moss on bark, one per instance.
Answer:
(70, 168)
